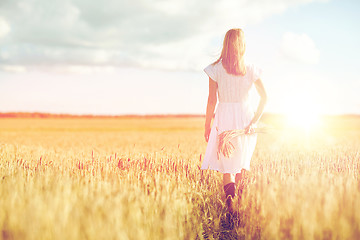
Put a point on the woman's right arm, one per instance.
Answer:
(212, 100)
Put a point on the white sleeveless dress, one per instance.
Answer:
(233, 111)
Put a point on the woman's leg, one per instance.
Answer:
(241, 180)
(228, 178)
(229, 189)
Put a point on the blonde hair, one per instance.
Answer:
(232, 54)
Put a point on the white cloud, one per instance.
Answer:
(4, 28)
(163, 34)
(12, 68)
(300, 48)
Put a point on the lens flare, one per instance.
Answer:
(303, 115)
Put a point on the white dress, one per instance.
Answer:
(233, 111)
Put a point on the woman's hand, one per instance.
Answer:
(250, 129)
(207, 133)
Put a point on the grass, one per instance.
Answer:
(140, 179)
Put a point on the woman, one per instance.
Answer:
(231, 80)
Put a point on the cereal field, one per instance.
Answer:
(139, 178)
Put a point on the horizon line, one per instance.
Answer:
(156, 115)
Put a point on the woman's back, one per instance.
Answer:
(232, 88)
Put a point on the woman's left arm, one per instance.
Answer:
(263, 99)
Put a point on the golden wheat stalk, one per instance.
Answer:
(225, 146)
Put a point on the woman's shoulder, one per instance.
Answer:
(253, 71)
(250, 66)
(215, 64)
(212, 70)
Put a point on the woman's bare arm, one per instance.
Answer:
(263, 98)
(212, 100)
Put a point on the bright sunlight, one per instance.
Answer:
(302, 114)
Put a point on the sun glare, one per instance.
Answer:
(302, 120)
(302, 116)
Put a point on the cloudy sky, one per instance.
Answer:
(146, 57)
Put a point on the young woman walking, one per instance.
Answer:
(230, 80)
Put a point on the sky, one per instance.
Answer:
(147, 57)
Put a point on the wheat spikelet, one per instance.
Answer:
(225, 146)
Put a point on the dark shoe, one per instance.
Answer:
(229, 190)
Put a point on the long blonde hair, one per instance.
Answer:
(232, 54)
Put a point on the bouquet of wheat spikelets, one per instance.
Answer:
(225, 146)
